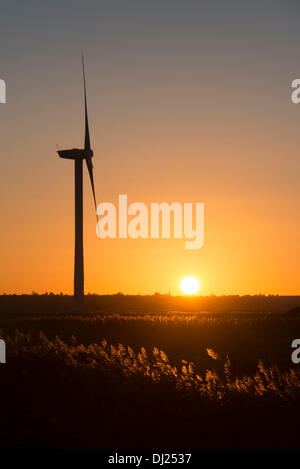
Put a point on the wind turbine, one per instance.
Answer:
(78, 155)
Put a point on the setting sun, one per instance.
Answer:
(189, 285)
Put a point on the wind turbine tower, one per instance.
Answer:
(78, 155)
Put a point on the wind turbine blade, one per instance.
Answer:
(90, 170)
(87, 144)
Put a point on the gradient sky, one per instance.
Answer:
(188, 101)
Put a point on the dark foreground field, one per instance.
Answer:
(165, 380)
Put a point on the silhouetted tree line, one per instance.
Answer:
(119, 303)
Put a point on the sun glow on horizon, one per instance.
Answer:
(189, 285)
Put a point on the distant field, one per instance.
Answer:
(246, 337)
(150, 380)
(119, 303)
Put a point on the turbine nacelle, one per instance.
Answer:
(86, 153)
(75, 154)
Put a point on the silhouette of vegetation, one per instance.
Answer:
(155, 366)
(294, 311)
(149, 380)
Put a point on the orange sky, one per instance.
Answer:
(184, 111)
